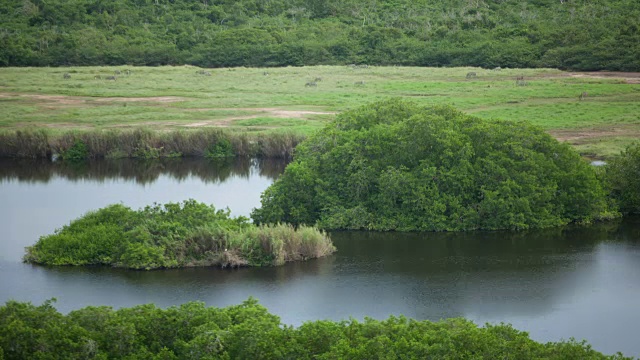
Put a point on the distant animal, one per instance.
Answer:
(361, 82)
(111, 78)
(127, 72)
(311, 84)
(206, 73)
(317, 79)
(520, 81)
(200, 72)
(66, 76)
(98, 77)
(471, 75)
(265, 73)
(117, 72)
(583, 95)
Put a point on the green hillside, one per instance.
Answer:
(566, 34)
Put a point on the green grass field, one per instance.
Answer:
(273, 99)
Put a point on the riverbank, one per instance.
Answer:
(145, 143)
(175, 235)
(255, 101)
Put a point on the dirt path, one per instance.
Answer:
(82, 100)
(580, 135)
(628, 77)
(261, 112)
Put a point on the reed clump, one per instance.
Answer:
(25, 144)
(173, 235)
(145, 143)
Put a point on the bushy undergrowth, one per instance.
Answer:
(249, 331)
(145, 143)
(173, 235)
(394, 165)
(623, 176)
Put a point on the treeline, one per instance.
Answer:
(566, 34)
(187, 234)
(145, 144)
(249, 331)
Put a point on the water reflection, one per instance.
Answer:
(142, 172)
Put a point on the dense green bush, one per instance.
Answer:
(77, 151)
(623, 175)
(249, 331)
(175, 235)
(394, 165)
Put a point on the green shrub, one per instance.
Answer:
(623, 176)
(394, 165)
(221, 149)
(77, 151)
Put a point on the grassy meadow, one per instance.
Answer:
(302, 99)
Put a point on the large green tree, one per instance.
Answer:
(394, 165)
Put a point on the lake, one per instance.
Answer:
(580, 282)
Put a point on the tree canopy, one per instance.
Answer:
(394, 165)
(249, 331)
(569, 34)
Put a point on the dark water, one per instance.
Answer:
(555, 284)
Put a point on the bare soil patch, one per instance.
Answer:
(580, 135)
(270, 112)
(83, 100)
(628, 77)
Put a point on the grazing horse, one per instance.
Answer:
(471, 75)
(311, 84)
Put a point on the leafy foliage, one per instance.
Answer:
(77, 151)
(175, 235)
(576, 34)
(249, 331)
(394, 165)
(623, 175)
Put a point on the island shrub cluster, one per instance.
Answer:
(174, 235)
(145, 143)
(394, 165)
(249, 331)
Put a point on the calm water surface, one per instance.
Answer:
(555, 284)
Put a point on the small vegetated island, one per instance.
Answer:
(173, 235)
(394, 165)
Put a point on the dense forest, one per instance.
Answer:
(566, 34)
(248, 331)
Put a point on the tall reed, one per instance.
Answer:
(146, 143)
